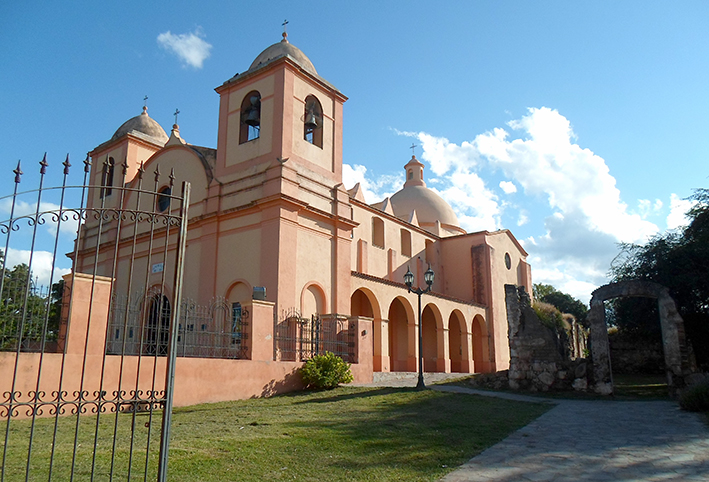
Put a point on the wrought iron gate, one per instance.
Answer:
(70, 407)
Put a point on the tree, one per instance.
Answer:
(679, 260)
(565, 303)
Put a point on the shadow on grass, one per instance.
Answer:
(339, 395)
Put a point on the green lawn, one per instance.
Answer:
(347, 434)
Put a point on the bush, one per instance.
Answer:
(550, 316)
(695, 398)
(326, 371)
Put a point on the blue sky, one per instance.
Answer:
(576, 125)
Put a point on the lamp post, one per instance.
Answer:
(409, 281)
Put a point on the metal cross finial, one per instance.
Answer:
(145, 101)
(413, 149)
(285, 33)
(177, 111)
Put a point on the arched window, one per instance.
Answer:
(107, 177)
(157, 328)
(250, 117)
(313, 121)
(378, 232)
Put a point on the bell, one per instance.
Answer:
(311, 122)
(252, 117)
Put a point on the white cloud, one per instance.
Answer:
(475, 205)
(374, 190)
(586, 216)
(41, 265)
(48, 214)
(547, 162)
(508, 187)
(190, 48)
(678, 212)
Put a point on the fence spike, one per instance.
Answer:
(87, 163)
(66, 164)
(44, 164)
(18, 172)
(157, 173)
(172, 177)
(125, 166)
(141, 170)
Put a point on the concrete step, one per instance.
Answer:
(399, 378)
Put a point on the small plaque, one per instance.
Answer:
(158, 267)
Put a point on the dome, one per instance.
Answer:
(144, 124)
(284, 49)
(415, 196)
(429, 206)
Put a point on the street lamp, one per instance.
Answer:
(409, 281)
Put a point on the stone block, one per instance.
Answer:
(546, 378)
(580, 384)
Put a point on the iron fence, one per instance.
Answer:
(298, 338)
(70, 409)
(213, 330)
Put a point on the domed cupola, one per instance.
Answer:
(433, 213)
(284, 49)
(142, 124)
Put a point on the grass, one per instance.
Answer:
(346, 434)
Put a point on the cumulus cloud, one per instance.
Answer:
(48, 214)
(374, 190)
(547, 162)
(508, 187)
(190, 48)
(539, 153)
(678, 212)
(41, 265)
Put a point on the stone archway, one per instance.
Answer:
(673, 338)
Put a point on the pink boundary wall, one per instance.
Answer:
(197, 380)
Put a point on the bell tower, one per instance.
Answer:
(280, 108)
(279, 165)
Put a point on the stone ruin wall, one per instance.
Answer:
(540, 358)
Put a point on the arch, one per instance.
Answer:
(458, 345)
(239, 291)
(401, 356)
(677, 364)
(433, 347)
(481, 349)
(250, 127)
(312, 299)
(364, 303)
(313, 121)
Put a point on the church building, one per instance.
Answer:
(274, 236)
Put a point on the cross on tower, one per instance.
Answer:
(285, 34)
(145, 101)
(413, 149)
(177, 111)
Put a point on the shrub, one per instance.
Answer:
(550, 316)
(695, 398)
(326, 371)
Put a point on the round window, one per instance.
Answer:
(508, 261)
(164, 199)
